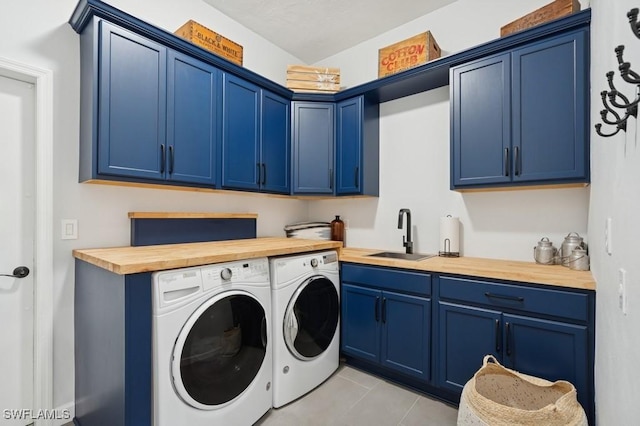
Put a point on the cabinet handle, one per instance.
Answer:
(330, 178)
(505, 297)
(171, 159)
(498, 336)
(384, 310)
(357, 177)
(377, 310)
(517, 161)
(508, 331)
(264, 174)
(163, 159)
(257, 173)
(506, 162)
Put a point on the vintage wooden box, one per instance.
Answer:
(204, 37)
(302, 78)
(409, 53)
(554, 10)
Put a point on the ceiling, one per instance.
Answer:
(312, 30)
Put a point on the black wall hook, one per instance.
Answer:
(616, 98)
(633, 20)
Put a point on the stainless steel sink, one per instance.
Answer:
(403, 256)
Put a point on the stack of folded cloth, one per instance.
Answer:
(309, 230)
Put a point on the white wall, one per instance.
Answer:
(414, 157)
(615, 193)
(102, 210)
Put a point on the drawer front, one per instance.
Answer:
(553, 302)
(387, 278)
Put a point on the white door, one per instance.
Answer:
(17, 220)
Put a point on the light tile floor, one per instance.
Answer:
(351, 397)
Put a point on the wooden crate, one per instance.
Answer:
(409, 53)
(202, 36)
(301, 78)
(554, 10)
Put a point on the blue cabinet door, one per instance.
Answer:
(313, 143)
(132, 105)
(548, 349)
(481, 122)
(349, 140)
(240, 134)
(550, 109)
(192, 127)
(466, 335)
(360, 334)
(406, 334)
(275, 145)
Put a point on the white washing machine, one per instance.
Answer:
(305, 298)
(212, 350)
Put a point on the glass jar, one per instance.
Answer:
(337, 229)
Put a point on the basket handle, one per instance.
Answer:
(491, 358)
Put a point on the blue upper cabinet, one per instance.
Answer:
(550, 110)
(255, 138)
(240, 134)
(132, 104)
(520, 118)
(275, 149)
(481, 122)
(313, 147)
(357, 147)
(192, 127)
(149, 113)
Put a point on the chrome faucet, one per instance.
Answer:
(406, 241)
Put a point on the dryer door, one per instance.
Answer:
(311, 318)
(220, 350)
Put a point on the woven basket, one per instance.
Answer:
(498, 396)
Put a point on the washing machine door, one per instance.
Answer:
(220, 350)
(311, 318)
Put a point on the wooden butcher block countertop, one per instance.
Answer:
(131, 260)
(510, 270)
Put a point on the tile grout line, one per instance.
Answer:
(408, 411)
(357, 383)
(360, 399)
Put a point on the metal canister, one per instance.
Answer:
(579, 260)
(570, 243)
(544, 253)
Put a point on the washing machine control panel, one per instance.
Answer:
(248, 271)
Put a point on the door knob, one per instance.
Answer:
(19, 272)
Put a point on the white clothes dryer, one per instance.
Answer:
(212, 351)
(305, 297)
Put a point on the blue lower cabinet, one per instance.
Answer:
(406, 334)
(549, 349)
(466, 334)
(540, 331)
(361, 322)
(389, 329)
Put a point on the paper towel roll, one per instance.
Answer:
(449, 230)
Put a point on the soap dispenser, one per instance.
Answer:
(337, 229)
